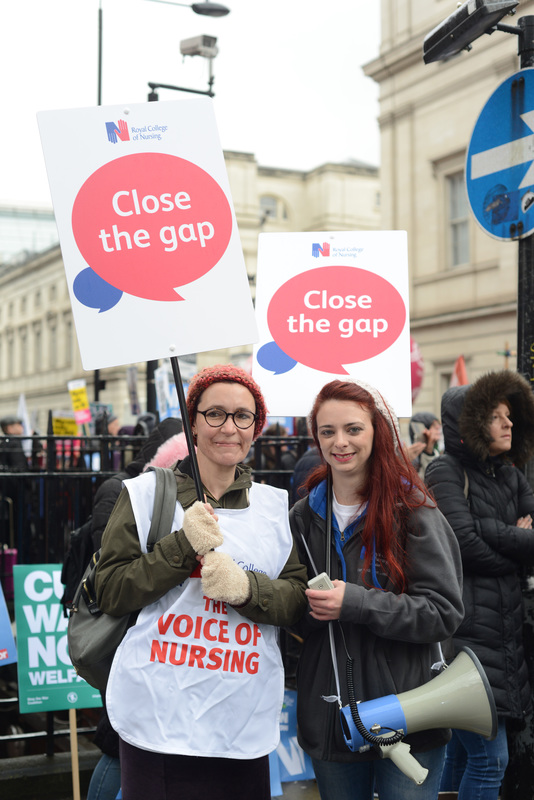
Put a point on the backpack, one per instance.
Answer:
(94, 636)
(79, 554)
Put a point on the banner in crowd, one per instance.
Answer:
(289, 762)
(8, 651)
(166, 394)
(80, 401)
(133, 394)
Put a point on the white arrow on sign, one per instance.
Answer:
(507, 155)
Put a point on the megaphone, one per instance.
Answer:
(459, 697)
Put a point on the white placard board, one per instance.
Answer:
(332, 305)
(147, 228)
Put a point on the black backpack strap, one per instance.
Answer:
(164, 505)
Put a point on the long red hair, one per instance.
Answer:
(391, 490)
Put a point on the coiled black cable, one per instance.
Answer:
(360, 727)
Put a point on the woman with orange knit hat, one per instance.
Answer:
(196, 686)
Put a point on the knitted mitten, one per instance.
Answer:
(222, 579)
(202, 531)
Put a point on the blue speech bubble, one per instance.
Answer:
(94, 292)
(272, 358)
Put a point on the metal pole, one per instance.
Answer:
(525, 309)
(525, 263)
(151, 367)
(96, 373)
(519, 776)
(187, 427)
(525, 266)
(99, 94)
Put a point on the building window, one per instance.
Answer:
(52, 344)
(10, 355)
(24, 351)
(68, 342)
(458, 209)
(272, 208)
(37, 347)
(445, 377)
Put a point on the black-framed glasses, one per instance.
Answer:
(216, 417)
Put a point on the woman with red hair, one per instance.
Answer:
(395, 566)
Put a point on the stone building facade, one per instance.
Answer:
(463, 283)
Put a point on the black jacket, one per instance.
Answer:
(483, 497)
(390, 636)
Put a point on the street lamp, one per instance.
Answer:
(205, 47)
(207, 9)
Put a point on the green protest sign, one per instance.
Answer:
(47, 679)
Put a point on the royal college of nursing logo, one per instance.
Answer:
(117, 131)
(323, 250)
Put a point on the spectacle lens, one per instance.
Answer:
(216, 417)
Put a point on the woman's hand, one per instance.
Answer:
(209, 508)
(326, 605)
(524, 522)
(222, 579)
(201, 528)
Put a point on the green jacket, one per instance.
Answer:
(127, 579)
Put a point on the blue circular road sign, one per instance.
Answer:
(499, 170)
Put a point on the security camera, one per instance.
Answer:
(199, 46)
(463, 26)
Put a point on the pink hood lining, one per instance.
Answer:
(171, 451)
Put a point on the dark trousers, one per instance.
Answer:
(169, 777)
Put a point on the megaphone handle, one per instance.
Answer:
(402, 758)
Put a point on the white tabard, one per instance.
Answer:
(192, 676)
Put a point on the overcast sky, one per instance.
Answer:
(289, 85)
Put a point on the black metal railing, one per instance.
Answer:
(41, 504)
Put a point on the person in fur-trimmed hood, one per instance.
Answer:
(488, 432)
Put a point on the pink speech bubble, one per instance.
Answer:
(336, 315)
(149, 222)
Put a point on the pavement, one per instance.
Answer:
(39, 777)
(300, 790)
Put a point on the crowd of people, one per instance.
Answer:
(424, 543)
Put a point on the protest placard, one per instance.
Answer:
(147, 229)
(332, 305)
(80, 401)
(46, 678)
